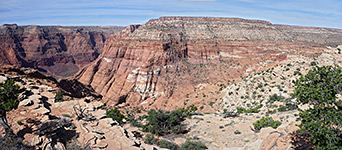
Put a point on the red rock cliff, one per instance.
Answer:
(57, 50)
(165, 59)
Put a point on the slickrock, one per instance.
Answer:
(57, 50)
(160, 63)
(26, 102)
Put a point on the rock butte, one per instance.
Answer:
(165, 60)
(57, 50)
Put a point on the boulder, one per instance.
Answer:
(3, 78)
(26, 102)
(32, 139)
(107, 122)
(59, 146)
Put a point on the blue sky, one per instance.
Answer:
(320, 13)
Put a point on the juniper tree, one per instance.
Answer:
(322, 121)
(8, 101)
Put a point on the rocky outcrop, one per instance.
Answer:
(70, 87)
(167, 58)
(57, 50)
(42, 123)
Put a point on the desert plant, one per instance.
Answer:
(191, 145)
(168, 145)
(161, 123)
(59, 97)
(251, 110)
(273, 98)
(288, 106)
(266, 122)
(150, 139)
(19, 122)
(322, 121)
(8, 101)
(116, 115)
(237, 132)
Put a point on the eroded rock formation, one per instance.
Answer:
(57, 50)
(167, 58)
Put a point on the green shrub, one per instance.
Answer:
(168, 145)
(116, 115)
(313, 63)
(237, 132)
(273, 98)
(266, 122)
(59, 97)
(161, 123)
(211, 104)
(19, 122)
(190, 145)
(192, 108)
(288, 106)
(8, 101)
(323, 120)
(66, 115)
(149, 139)
(251, 110)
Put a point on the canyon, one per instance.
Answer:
(218, 65)
(56, 50)
(166, 62)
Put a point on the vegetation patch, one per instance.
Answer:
(322, 121)
(116, 115)
(161, 123)
(188, 145)
(59, 97)
(266, 122)
(251, 110)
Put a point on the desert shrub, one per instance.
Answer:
(8, 95)
(288, 106)
(266, 122)
(313, 63)
(192, 108)
(8, 101)
(161, 123)
(296, 73)
(19, 122)
(237, 132)
(150, 139)
(273, 98)
(211, 104)
(251, 110)
(168, 145)
(116, 115)
(322, 121)
(59, 97)
(191, 145)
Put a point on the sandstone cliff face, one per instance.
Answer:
(57, 50)
(165, 60)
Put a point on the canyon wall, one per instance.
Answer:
(56, 50)
(164, 61)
